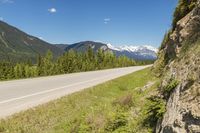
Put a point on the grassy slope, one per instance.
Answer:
(115, 106)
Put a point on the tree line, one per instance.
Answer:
(69, 62)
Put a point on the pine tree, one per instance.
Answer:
(18, 71)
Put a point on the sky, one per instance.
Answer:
(119, 22)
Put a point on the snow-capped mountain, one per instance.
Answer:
(132, 48)
(137, 52)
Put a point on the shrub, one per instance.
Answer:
(116, 121)
(2, 129)
(155, 110)
(170, 87)
(2, 126)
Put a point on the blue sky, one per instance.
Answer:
(120, 22)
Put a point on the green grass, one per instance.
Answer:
(114, 106)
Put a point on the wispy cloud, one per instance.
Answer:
(52, 10)
(6, 1)
(107, 20)
(1, 18)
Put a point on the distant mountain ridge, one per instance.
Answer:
(132, 48)
(16, 45)
(62, 46)
(83, 46)
(136, 52)
(145, 52)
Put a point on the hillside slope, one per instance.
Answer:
(17, 45)
(178, 65)
(83, 46)
(62, 46)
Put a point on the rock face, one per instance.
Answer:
(182, 52)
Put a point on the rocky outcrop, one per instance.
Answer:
(183, 52)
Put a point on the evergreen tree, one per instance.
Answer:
(18, 71)
(69, 62)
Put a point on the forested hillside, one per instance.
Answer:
(70, 62)
(15, 45)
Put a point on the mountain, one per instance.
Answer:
(61, 46)
(135, 52)
(178, 67)
(16, 45)
(83, 46)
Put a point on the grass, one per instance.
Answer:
(114, 106)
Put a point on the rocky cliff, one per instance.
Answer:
(179, 60)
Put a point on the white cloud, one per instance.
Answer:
(41, 38)
(1, 18)
(107, 20)
(52, 10)
(6, 1)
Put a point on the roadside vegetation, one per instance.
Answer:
(69, 62)
(183, 8)
(121, 106)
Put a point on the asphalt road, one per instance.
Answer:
(19, 95)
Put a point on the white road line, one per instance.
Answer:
(51, 90)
